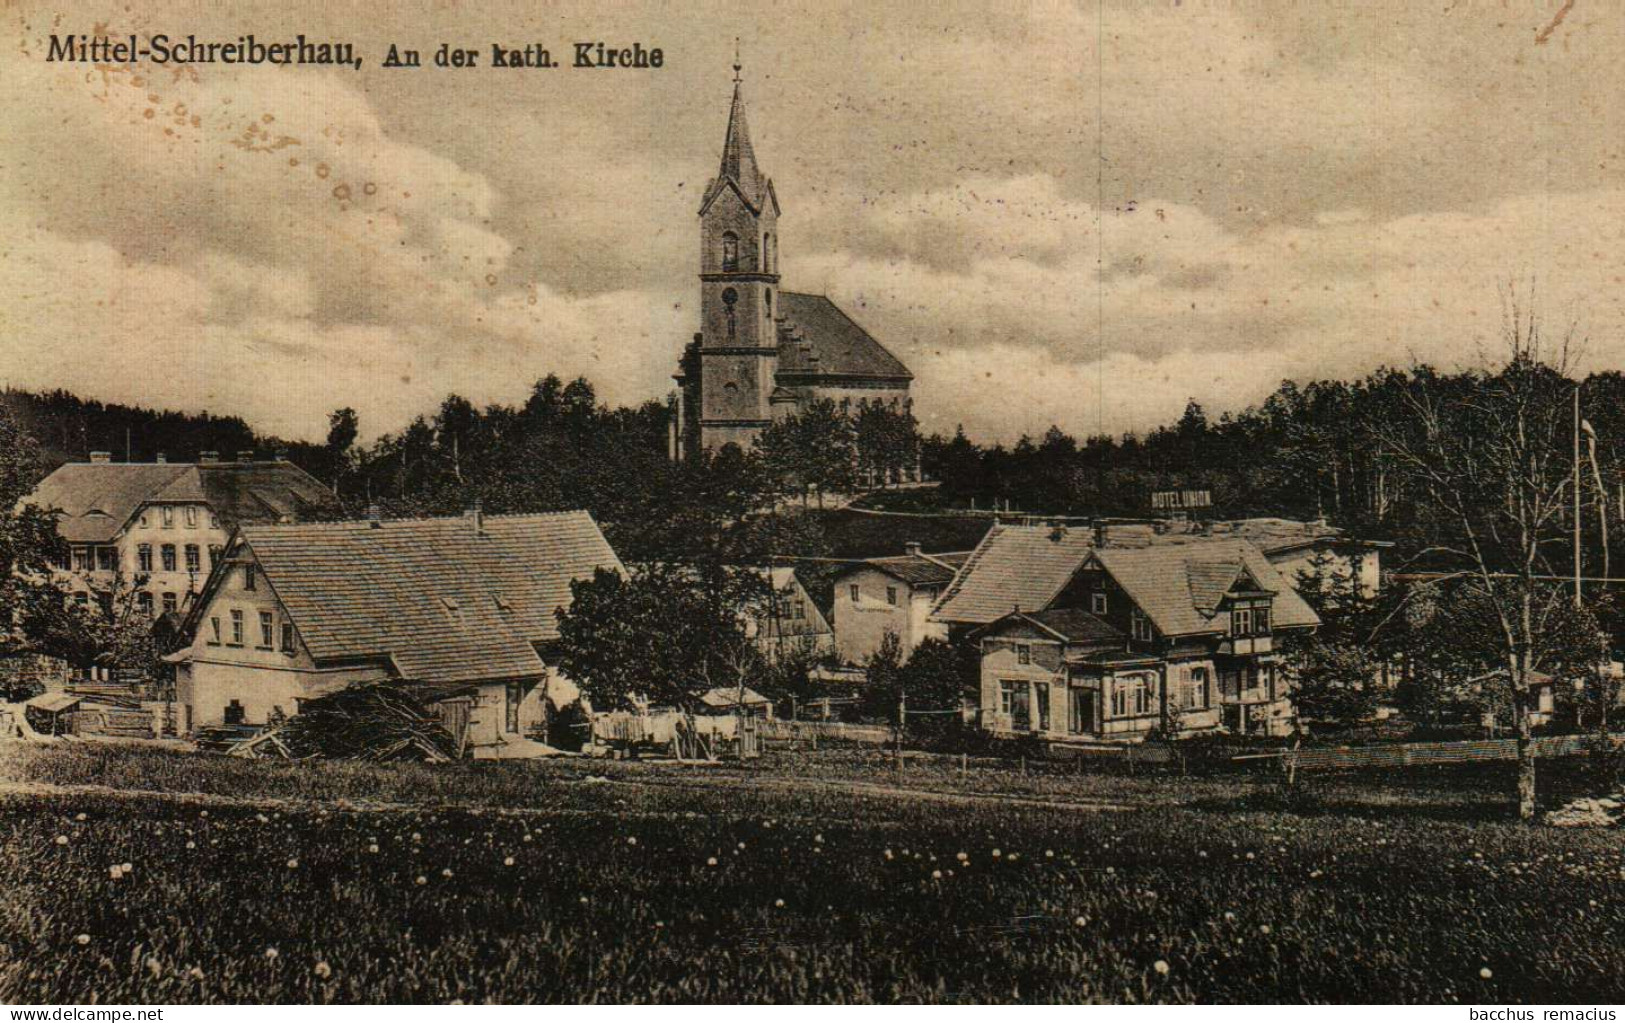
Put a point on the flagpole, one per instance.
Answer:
(1577, 565)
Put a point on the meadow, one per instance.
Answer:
(170, 877)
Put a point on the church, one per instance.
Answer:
(762, 353)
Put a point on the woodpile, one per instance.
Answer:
(380, 721)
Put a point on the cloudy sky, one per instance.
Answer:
(1056, 213)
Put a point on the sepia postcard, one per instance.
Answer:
(812, 502)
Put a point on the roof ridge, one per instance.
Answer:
(333, 523)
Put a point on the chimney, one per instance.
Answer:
(912, 549)
(101, 457)
(208, 457)
(1100, 533)
(161, 459)
(245, 456)
(475, 515)
(375, 516)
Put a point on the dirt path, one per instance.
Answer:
(22, 789)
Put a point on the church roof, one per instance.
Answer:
(827, 342)
(739, 161)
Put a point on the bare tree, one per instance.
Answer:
(1488, 455)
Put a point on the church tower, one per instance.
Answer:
(737, 351)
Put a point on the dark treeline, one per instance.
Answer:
(69, 428)
(1306, 450)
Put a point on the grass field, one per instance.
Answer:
(808, 879)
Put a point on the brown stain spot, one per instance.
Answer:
(341, 193)
(369, 189)
(491, 279)
(322, 170)
(149, 113)
(267, 118)
(293, 161)
(1562, 12)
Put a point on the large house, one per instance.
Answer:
(892, 595)
(763, 354)
(1115, 641)
(164, 524)
(297, 611)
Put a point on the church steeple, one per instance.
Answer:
(738, 157)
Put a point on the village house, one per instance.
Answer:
(893, 595)
(1115, 641)
(791, 623)
(297, 611)
(1299, 549)
(161, 526)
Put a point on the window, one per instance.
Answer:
(852, 592)
(168, 553)
(81, 598)
(194, 558)
(267, 630)
(83, 559)
(1196, 689)
(143, 557)
(171, 603)
(1024, 654)
(214, 520)
(142, 519)
(1097, 603)
(1141, 628)
(191, 516)
(215, 553)
(287, 637)
(730, 251)
(1250, 620)
(891, 595)
(107, 559)
(1132, 696)
(798, 609)
(236, 628)
(1007, 695)
(143, 600)
(769, 305)
(214, 631)
(249, 582)
(768, 260)
(1041, 695)
(1082, 710)
(168, 514)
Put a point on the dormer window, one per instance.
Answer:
(1250, 620)
(1097, 603)
(1140, 627)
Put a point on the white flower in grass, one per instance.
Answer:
(62, 840)
(507, 861)
(445, 872)
(83, 939)
(936, 875)
(1486, 973)
(632, 840)
(526, 838)
(1263, 928)
(1080, 921)
(422, 880)
(1049, 854)
(195, 973)
(372, 848)
(271, 953)
(778, 903)
(191, 845)
(80, 816)
(710, 861)
(293, 864)
(1161, 966)
(323, 970)
(997, 854)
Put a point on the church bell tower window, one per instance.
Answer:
(730, 252)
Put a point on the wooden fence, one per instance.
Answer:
(1422, 754)
(876, 735)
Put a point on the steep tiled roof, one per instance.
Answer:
(739, 160)
(1174, 583)
(97, 499)
(444, 601)
(1076, 625)
(916, 569)
(1014, 568)
(824, 340)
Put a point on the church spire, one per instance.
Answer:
(738, 159)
